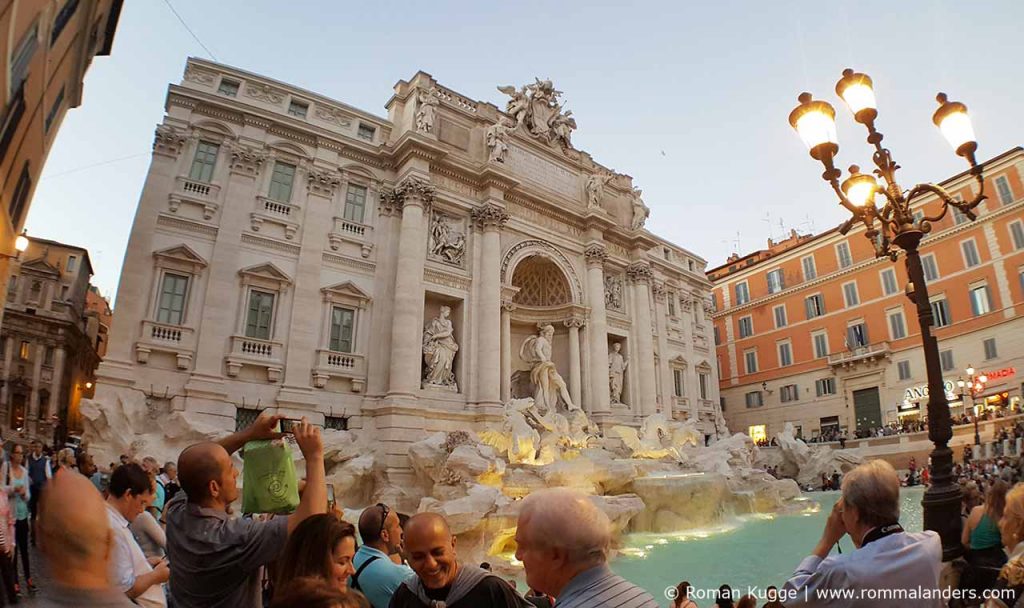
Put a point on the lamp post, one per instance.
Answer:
(973, 385)
(20, 245)
(890, 228)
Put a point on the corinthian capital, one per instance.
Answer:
(489, 216)
(322, 182)
(168, 141)
(596, 254)
(639, 272)
(414, 191)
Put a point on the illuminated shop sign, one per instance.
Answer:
(920, 393)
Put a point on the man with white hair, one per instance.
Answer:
(563, 542)
(889, 567)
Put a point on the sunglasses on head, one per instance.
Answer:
(384, 511)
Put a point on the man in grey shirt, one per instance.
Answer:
(215, 558)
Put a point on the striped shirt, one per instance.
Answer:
(599, 587)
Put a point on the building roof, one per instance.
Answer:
(48, 242)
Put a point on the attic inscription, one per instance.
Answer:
(544, 172)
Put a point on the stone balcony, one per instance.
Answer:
(275, 212)
(871, 354)
(706, 405)
(333, 364)
(161, 337)
(254, 352)
(191, 192)
(351, 232)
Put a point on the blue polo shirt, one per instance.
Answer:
(381, 578)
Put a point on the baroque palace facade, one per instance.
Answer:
(817, 332)
(392, 275)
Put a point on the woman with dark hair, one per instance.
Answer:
(682, 599)
(322, 546)
(723, 598)
(984, 543)
(310, 592)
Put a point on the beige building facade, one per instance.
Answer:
(397, 275)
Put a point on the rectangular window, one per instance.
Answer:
(981, 300)
(780, 316)
(742, 293)
(856, 335)
(171, 306)
(62, 19)
(903, 370)
(48, 357)
(931, 271)
(718, 336)
(776, 281)
(850, 294)
(785, 354)
(820, 345)
(21, 58)
(691, 265)
(228, 87)
(281, 182)
(940, 312)
(990, 349)
(355, 203)
(918, 215)
(958, 216)
(746, 327)
(297, 108)
(1017, 233)
(677, 382)
(72, 263)
(750, 360)
(714, 302)
(843, 255)
(889, 285)
(58, 101)
(366, 132)
(754, 399)
(23, 351)
(337, 423)
(203, 162)
(260, 315)
(789, 392)
(897, 327)
(342, 329)
(244, 417)
(671, 299)
(815, 306)
(1003, 188)
(20, 198)
(810, 272)
(825, 386)
(946, 358)
(704, 380)
(970, 251)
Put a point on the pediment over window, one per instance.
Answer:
(266, 274)
(40, 266)
(704, 367)
(678, 361)
(180, 256)
(346, 292)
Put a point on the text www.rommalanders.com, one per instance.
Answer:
(918, 593)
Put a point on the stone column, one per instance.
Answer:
(574, 324)
(667, 384)
(56, 384)
(506, 350)
(8, 360)
(32, 417)
(489, 218)
(639, 274)
(600, 400)
(415, 196)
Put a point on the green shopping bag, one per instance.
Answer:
(269, 482)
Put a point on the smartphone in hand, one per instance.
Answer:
(288, 425)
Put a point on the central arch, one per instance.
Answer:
(544, 258)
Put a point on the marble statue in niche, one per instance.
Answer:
(427, 110)
(616, 371)
(439, 349)
(446, 243)
(536, 350)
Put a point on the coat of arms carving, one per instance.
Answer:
(536, 107)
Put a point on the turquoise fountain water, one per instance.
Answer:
(748, 552)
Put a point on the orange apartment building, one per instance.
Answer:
(817, 332)
(47, 47)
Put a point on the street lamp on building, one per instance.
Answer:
(891, 227)
(972, 386)
(20, 245)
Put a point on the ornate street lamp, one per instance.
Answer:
(890, 228)
(972, 386)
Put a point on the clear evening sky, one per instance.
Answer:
(690, 98)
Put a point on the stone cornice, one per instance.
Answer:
(489, 216)
(416, 145)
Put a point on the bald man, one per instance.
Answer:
(430, 549)
(216, 559)
(77, 542)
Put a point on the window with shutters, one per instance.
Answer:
(820, 340)
(342, 329)
(897, 326)
(946, 359)
(1017, 234)
(173, 295)
(204, 162)
(785, 354)
(931, 270)
(843, 255)
(815, 306)
(970, 251)
(810, 272)
(981, 300)
(780, 316)
(1003, 189)
(959, 217)
(850, 294)
(825, 386)
(990, 349)
(776, 281)
(281, 181)
(746, 326)
(889, 284)
(940, 312)
(753, 399)
(903, 370)
(742, 293)
(260, 316)
(789, 392)
(750, 361)
(856, 335)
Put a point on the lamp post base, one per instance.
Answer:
(942, 504)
